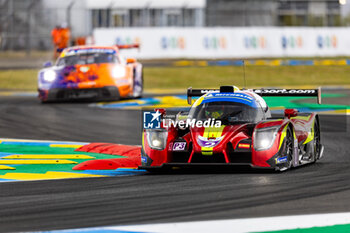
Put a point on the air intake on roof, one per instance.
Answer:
(227, 89)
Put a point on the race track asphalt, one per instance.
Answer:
(75, 203)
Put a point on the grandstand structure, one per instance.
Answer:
(273, 13)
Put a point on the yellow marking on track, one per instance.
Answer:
(165, 102)
(328, 62)
(261, 63)
(7, 93)
(50, 156)
(46, 176)
(275, 62)
(65, 146)
(121, 102)
(336, 112)
(165, 91)
(3, 167)
(36, 161)
(202, 63)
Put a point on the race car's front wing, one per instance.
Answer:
(67, 94)
(201, 166)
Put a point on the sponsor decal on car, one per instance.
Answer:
(209, 142)
(285, 91)
(283, 159)
(244, 146)
(179, 146)
(84, 69)
(88, 50)
(245, 96)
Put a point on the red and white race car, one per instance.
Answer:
(235, 128)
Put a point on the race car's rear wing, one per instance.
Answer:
(290, 92)
(197, 92)
(128, 46)
(262, 92)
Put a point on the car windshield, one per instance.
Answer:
(87, 58)
(228, 112)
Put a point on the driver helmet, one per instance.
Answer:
(214, 112)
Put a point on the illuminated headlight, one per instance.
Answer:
(157, 139)
(264, 138)
(49, 75)
(118, 72)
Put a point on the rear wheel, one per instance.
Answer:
(288, 148)
(317, 141)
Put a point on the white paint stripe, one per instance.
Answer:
(244, 225)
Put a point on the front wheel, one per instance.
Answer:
(138, 83)
(287, 151)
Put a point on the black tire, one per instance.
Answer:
(288, 150)
(317, 141)
(138, 95)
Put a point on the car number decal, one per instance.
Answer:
(179, 146)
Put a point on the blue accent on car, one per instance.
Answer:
(283, 159)
(231, 97)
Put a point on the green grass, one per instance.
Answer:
(256, 76)
(18, 79)
(183, 77)
(22, 54)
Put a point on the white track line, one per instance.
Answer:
(243, 225)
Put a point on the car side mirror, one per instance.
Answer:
(290, 112)
(47, 64)
(130, 60)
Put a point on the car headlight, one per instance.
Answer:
(118, 72)
(265, 137)
(157, 139)
(49, 76)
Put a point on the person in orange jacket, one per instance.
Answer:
(60, 39)
(56, 37)
(65, 36)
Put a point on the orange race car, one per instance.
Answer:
(91, 73)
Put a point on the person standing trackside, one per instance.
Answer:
(60, 38)
(56, 36)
